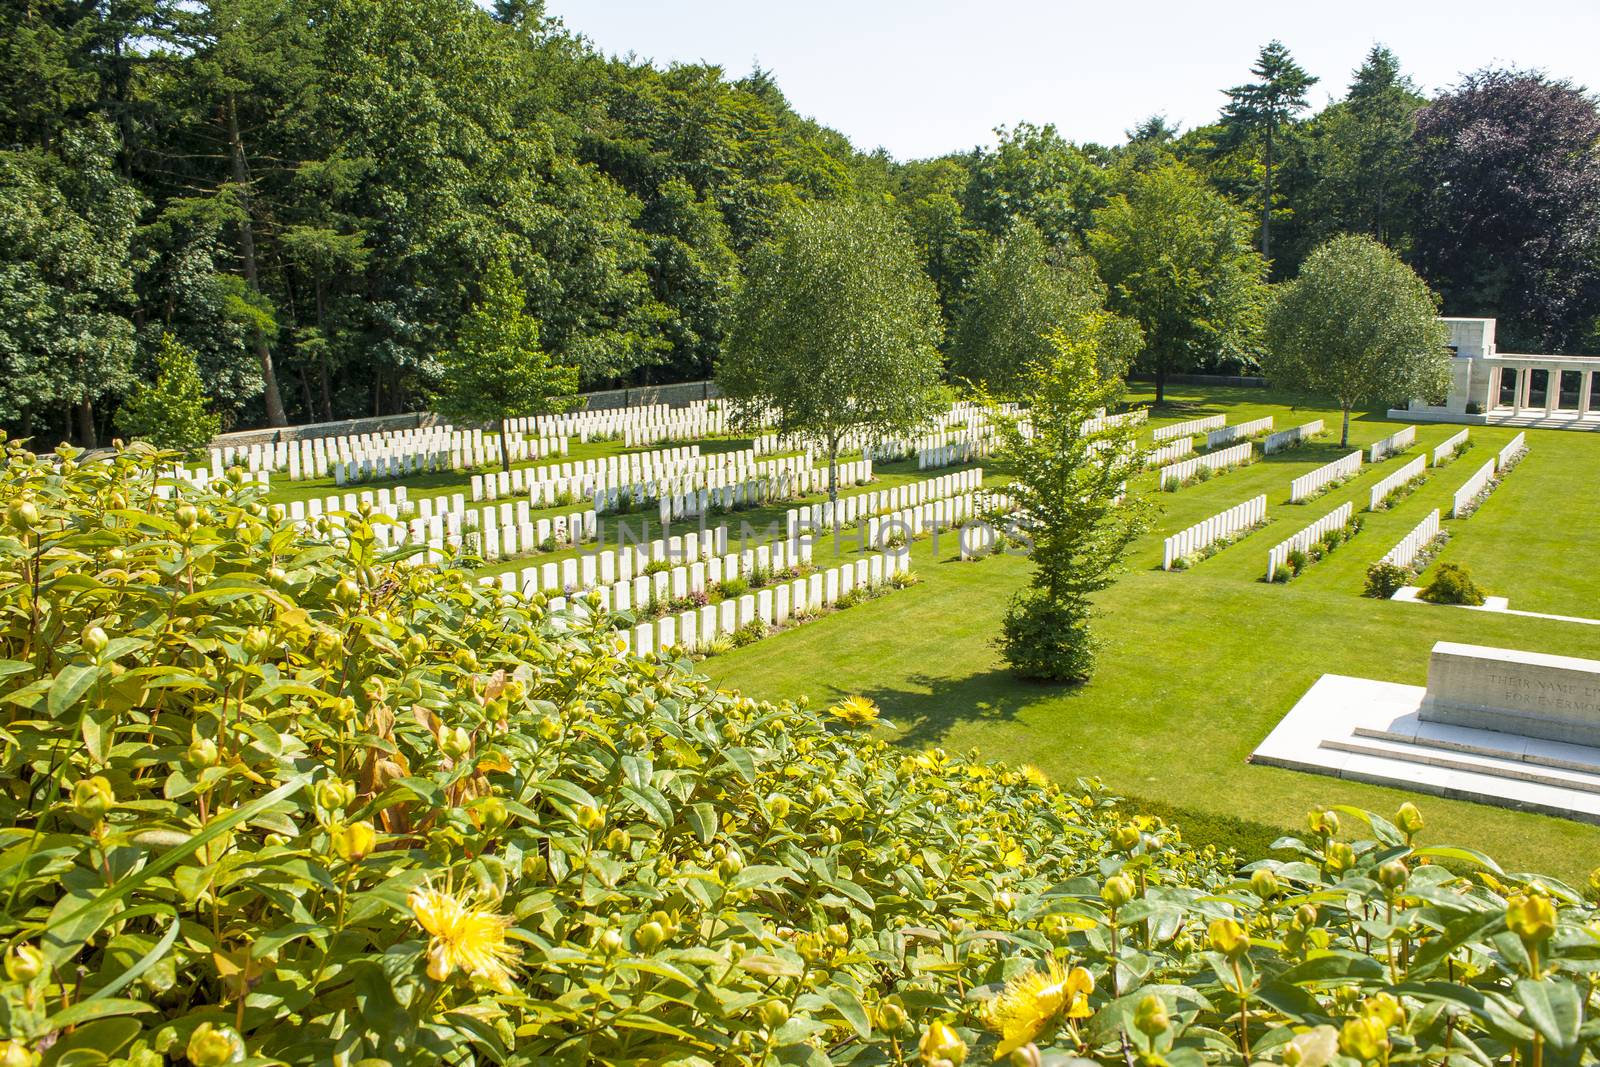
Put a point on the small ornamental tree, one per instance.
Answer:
(1357, 325)
(173, 412)
(1072, 483)
(497, 370)
(835, 331)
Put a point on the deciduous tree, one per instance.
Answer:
(1359, 326)
(836, 331)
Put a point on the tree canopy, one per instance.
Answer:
(836, 331)
(1357, 325)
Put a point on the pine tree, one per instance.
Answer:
(1264, 107)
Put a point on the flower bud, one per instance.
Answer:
(16, 1054)
(334, 794)
(94, 639)
(838, 934)
(940, 1045)
(22, 515)
(455, 741)
(1118, 890)
(1408, 819)
(489, 814)
(24, 963)
(466, 659)
(1385, 1008)
(590, 817)
(891, 1016)
(1228, 938)
(187, 515)
(1392, 875)
(610, 941)
(1026, 1056)
(1126, 836)
(346, 592)
(1531, 917)
(778, 807)
(618, 840)
(1340, 856)
(354, 842)
(774, 1013)
(649, 936)
(1004, 902)
(201, 753)
(1363, 1038)
(1264, 883)
(93, 797)
(256, 642)
(213, 1046)
(1150, 1017)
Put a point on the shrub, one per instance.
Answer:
(903, 579)
(1282, 572)
(1452, 585)
(1298, 561)
(749, 633)
(733, 588)
(293, 800)
(1384, 580)
(1047, 640)
(656, 566)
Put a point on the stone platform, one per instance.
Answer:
(1371, 731)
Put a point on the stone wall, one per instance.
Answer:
(675, 395)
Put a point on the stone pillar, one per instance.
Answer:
(1522, 389)
(1552, 389)
(1586, 390)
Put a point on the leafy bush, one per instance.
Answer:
(273, 797)
(656, 566)
(732, 588)
(173, 411)
(1282, 572)
(1046, 639)
(1298, 560)
(1452, 585)
(749, 633)
(1384, 580)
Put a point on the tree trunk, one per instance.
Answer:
(505, 450)
(1161, 385)
(84, 412)
(833, 477)
(322, 353)
(247, 251)
(1266, 201)
(1344, 437)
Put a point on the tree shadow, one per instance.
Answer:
(924, 708)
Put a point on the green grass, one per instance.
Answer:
(1199, 666)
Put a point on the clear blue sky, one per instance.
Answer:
(923, 78)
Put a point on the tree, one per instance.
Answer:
(1035, 173)
(173, 412)
(1362, 155)
(497, 370)
(1070, 481)
(1509, 217)
(1176, 257)
(1358, 325)
(1018, 298)
(66, 280)
(1262, 108)
(836, 330)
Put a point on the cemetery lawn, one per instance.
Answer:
(1198, 666)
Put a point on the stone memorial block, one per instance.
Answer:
(780, 604)
(747, 609)
(764, 606)
(689, 631)
(644, 636)
(727, 617)
(1534, 694)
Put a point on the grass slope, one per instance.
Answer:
(1199, 666)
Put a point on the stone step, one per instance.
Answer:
(1503, 767)
(1548, 754)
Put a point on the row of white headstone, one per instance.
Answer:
(1170, 453)
(1188, 429)
(1283, 439)
(1302, 541)
(963, 449)
(697, 629)
(200, 478)
(1447, 448)
(1470, 489)
(1414, 469)
(913, 522)
(676, 425)
(823, 517)
(1183, 470)
(1395, 443)
(629, 467)
(1513, 448)
(1308, 484)
(1420, 537)
(604, 567)
(693, 485)
(456, 451)
(1102, 421)
(1208, 532)
(978, 540)
(1239, 431)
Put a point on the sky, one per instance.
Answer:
(934, 76)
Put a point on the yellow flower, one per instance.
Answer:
(1033, 1004)
(466, 937)
(855, 711)
(1532, 917)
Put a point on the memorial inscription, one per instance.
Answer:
(1556, 698)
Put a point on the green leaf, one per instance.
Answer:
(703, 817)
(1553, 1007)
(69, 686)
(844, 998)
(144, 963)
(85, 1010)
